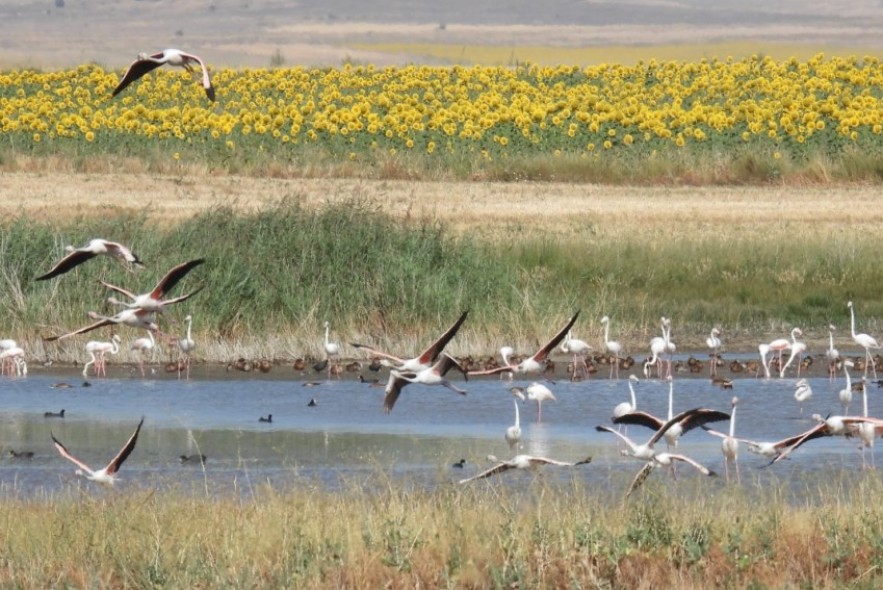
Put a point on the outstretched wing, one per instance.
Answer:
(498, 468)
(432, 352)
(73, 259)
(66, 454)
(173, 277)
(124, 453)
(138, 68)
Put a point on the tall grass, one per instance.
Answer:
(273, 277)
(531, 535)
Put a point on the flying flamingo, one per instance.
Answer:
(143, 345)
(865, 341)
(535, 363)
(173, 57)
(186, 345)
(136, 318)
(714, 343)
(797, 350)
(97, 350)
(434, 375)
(678, 428)
(425, 359)
(611, 346)
(513, 433)
(535, 392)
(94, 248)
(832, 354)
(107, 475)
(153, 300)
(828, 426)
(523, 462)
(579, 349)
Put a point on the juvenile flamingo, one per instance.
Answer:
(173, 57)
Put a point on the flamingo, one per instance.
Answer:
(96, 247)
(828, 426)
(331, 348)
(186, 345)
(764, 349)
(12, 360)
(108, 474)
(730, 444)
(136, 318)
(867, 431)
(845, 394)
(865, 341)
(802, 392)
(143, 345)
(678, 428)
(611, 346)
(425, 359)
(579, 349)
(535, 392)
(97, 350)
(832, 354)
(624, 408)
(657, 348)
(173, 57)
(780, 345)
(797, 350)
(536, 362)
(714, 343)
(665, 460)
(153, 299)
(670, 347)
(523, 462)
(513, 433)
(434, 375)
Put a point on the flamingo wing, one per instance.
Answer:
(642, 474)
(817, 431)
(206, 81)
(543, 353)
(173, 277)
(124, 453)
(378, 353)
(641, 419)
(433, 351)
(393, 390)
(702, 416)
(119, 290)
(73, 259)
(685, 459)
(498, 468)
(83, 330)
(139, 68)
(66, 454)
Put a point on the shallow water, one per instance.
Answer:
(347, 439)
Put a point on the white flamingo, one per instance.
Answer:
(864, 340)
(153, 299)
(579, 349)
(98, 349)
(802, 392)
(513, 433)
(730, 444)
(797, 350)
(845, 394)
(657, 349)
(434, 375)
(142, 346)
(332, 349)
(173, 57)
(624, 408)
(780, 345)
(535, 392)
(714, 343)
(108, 474)
(523, 462)
(186, 345)
(96, 247)
(832, 354)
(612, 347)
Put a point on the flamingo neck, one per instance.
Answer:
(671, 394)
(733, 422)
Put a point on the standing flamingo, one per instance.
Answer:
(624, 408)
(96, 247)
(845, 394)
(12, 361)
(867, 431)
(142, 346)
(513, 433)
(173, 57)
(832, 355)
(730, 444)
(802, 392)
(611, 346)
(186, 346)
(797, 350)
(780, 345)
(865, 341)
(535, 392)
(714, 343)
(579, 349)
(331, 348)
(97, 350)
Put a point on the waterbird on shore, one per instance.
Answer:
(106, 475)
(54, 414)
(153, 299)
(535, 392)
(523, 462)
(714, 343)
(146, 63)
(186, 345)
(579, 349)
(268, 418)
(612, 347)
(422, 361)
(434, 375)
(832, 354)
(535, 363)
(513, 433)
(96, 247)
(97, 350)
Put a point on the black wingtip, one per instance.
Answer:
(210, 92)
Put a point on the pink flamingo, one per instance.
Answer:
(173, 57)
(96, 247)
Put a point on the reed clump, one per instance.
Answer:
(535, 534)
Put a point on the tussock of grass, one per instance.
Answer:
(487, 535)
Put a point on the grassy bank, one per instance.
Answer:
(480, 536)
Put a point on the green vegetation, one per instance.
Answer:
(490, 535)
(281, 272)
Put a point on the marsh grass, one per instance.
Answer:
(493, 534)
(274, 275)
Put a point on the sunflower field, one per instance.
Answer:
(443, 115)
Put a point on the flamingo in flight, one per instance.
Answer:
(173, 57)
(96, 247)
(829, 426)
(536, 362)
(153, 300)
(523, 462)
(106, 475)
(434, 375)
(136, 318)
(425, 359)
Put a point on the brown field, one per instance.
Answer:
(488, 210)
